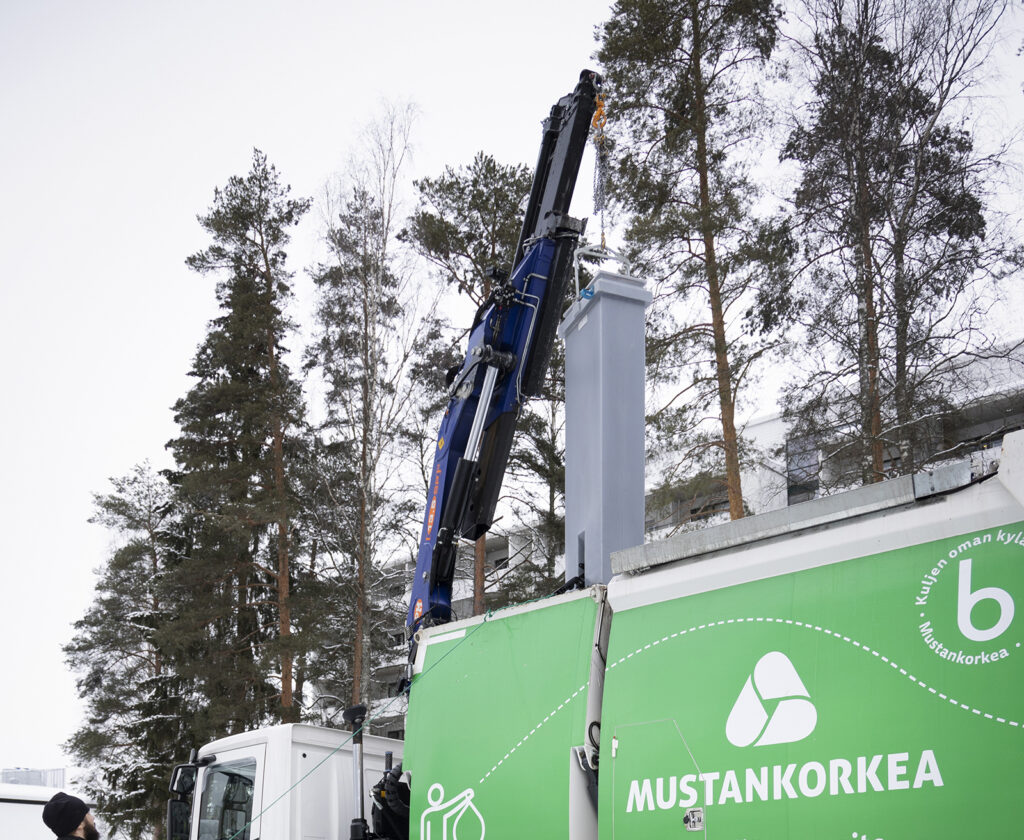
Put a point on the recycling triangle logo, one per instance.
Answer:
(794, 718)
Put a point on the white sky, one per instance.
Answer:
(118, 120)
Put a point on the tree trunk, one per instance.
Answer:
(723, 373)
(858, 170)
(479, 565)
(284, 618)
(362, 553)
(244, 636)
(155, 600)
(360, 631)
(871, 404)
(549, 536)
(284, 590)
(284, 613)
(905, 432)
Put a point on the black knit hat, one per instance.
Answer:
(64, 813)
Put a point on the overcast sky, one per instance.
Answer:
(118, 120)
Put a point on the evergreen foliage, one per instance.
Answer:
(890, 212)
(468, 222)
(324, 598)
(239, 426)
(139, 708)
(683, 109)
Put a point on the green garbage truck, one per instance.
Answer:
(850, 667)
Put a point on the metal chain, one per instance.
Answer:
(601, 166)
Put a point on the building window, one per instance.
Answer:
(700, 498)
(801, 470)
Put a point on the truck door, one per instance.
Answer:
(231, 797)
(668, 799)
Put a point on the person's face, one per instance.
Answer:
(89, 824)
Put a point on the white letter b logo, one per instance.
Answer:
(966, 601)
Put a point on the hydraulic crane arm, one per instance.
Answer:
(506, 361)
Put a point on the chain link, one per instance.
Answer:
(601, 166)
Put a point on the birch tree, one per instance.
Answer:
(366, 330)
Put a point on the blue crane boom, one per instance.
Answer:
(506, 361)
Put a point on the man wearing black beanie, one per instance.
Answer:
(68, 816)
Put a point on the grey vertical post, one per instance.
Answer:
(604, 424)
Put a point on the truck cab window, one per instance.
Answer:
(226, 806)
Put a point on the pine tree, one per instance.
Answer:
(890, 208)
(468, 222)
(682, 107)
(139, 712)
(238, 426)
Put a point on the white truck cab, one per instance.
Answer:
(288, 781)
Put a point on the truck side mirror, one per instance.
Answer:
(179, 812)
(183, 779)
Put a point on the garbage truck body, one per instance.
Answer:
(850, 667)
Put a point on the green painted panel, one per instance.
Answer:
(491, 721)
(881, 697)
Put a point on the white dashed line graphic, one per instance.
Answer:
(827, 632)
(526, 737)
